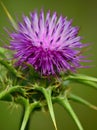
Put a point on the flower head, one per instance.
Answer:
(50, 45)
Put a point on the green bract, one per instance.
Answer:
(33, 92)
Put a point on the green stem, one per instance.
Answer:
(88, 83)
(8, 66)
(47, 94)
(28, 109)
(82, 101)
(26, 117)
(8, 15)
(11, 69)
(10, 90)
(64, 102)
(83, 77)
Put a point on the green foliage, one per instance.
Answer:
(35, 92)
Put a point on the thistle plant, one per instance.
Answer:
(45, 53)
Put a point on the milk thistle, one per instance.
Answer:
(48, 44)
(46, 52)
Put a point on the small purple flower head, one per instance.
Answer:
(49, 44)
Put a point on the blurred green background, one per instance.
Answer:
(84, 15)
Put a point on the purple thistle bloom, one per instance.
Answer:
(50, 45)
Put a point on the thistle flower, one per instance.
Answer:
(50, 45)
